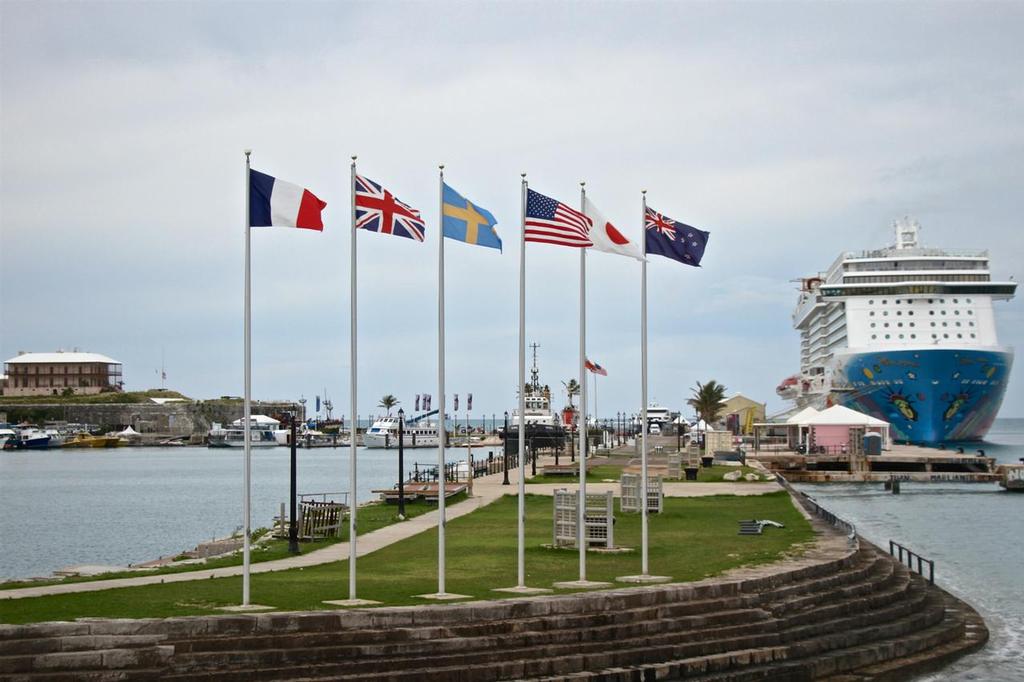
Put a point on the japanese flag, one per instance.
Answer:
(605, 236)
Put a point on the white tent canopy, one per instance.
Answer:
(839, 415)
(701, 425)
(128, 433)
(258, 420)
(803, 416)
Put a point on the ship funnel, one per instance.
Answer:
(906, 232)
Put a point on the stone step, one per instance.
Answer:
(133, 675)
(45, 645)
(645, 646)
(90, 660)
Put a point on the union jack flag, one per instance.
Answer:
(673, 239)
(665, 226)
(378, 210)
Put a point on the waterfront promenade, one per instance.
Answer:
(486, 490)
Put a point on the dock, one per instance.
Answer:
(903, 462)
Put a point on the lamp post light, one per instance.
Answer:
(504, 454)
(401, 462)
(533, 459)
(293, 528)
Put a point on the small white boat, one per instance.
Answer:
(384, 433)
(261, 433)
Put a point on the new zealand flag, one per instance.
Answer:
(675, 240)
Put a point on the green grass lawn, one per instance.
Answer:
(370, 518)
(595, 474)
(695, 538)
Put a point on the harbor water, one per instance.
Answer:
(972, 531)
(130, 505)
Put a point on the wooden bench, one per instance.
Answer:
(319, 520)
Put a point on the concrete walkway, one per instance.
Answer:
(485, 491)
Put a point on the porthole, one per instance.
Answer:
(885, 313)
(931, 312)
(943, 312)
(913, 336)
(871, 314)
(973, 336)
(970, 324)
(956, 300)
(901, 336)
(897, 301)
(886, 336)
(935, 336)
(958, 324)
(945, 324)
(910, 312)
(956, 312)
(872, 324)
(885, 324)
(899, 324)
(933, 324)
(871, 302)
(912, 324)
(945, 336)
(884, 302)
(899, 312)
(874, 336)
(968, 300)
(970, 312)
(930, 300)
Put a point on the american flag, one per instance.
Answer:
(551, 222)
(378, 210)
(595, 368)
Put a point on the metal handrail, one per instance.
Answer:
(899, 551)
(812, 506)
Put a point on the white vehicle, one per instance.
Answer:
(655, 430)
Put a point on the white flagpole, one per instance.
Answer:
(247, 409)
(352, 504)
(522, 387)
(441, 483)
(581, 522)
(644, 568)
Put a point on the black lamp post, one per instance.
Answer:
(504, 454)
(572, 438)
(533, 459)
(293, 528)
(401, 462)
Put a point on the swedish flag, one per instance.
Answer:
(467, 222)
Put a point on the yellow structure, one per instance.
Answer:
(747, 412)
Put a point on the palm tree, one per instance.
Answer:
(708, 400)
(572, 387)
(387, 402)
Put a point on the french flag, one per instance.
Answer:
(276, 203)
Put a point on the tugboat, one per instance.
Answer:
(543, 430)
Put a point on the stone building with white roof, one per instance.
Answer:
(54, 373)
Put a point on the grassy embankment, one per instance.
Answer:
(695, 538)
(112, 398)
(370, 518)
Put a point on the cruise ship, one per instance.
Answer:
(906, 334)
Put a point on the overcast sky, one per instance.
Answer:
(791, 132)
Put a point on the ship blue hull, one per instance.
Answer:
(930, 396)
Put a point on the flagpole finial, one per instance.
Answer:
(354, 157)
(441, 166)
(247, 152)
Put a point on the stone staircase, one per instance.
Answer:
(862, 616)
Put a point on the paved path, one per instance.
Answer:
(485, 491)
